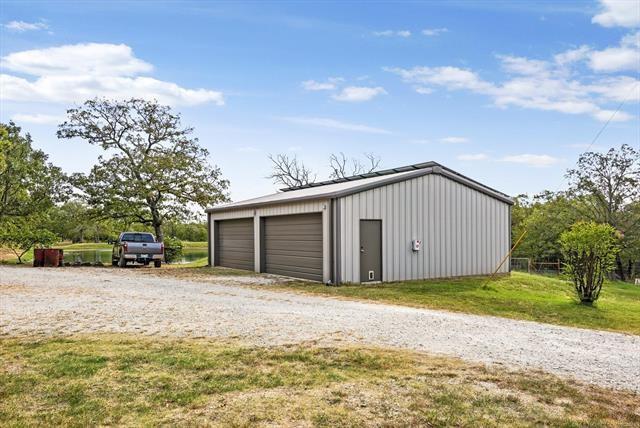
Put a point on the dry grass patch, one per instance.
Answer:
(124, 380)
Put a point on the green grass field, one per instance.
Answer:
(105, 246)
(8, 257)
(135, 381)
(519, 296)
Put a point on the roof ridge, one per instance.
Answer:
(389, 171)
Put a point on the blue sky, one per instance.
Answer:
(506, 93)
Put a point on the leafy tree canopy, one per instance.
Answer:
(20, 234)
(28, 183)
(608, 185)
(152, 171)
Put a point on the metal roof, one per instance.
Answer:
(363, 176)
(359, 183)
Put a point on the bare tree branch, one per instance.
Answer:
(339, 165)
(290, 172)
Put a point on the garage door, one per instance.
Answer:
(234, 243)
(292, 246)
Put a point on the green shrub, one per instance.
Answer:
(172, 250)
(589, 251)
(24, 233)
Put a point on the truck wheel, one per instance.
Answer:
(114, 262)
(121, 261)
(157, 263)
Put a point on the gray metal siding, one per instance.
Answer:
(463, 231)
(234, 243)
(292, 245)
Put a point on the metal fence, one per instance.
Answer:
(523, 264)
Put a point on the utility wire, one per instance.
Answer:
(598, 134)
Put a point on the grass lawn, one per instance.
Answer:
(520, 296)
(8, 257)
(126, 380)
(84, 246)
(194, 245)
(187, 245)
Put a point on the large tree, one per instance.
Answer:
(544, 217)
(28, 182)
(608, 185)
(152, 170)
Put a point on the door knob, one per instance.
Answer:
(362, 249)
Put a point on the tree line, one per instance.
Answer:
(603, 188)
(152, 174)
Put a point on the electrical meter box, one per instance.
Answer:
(416, 244)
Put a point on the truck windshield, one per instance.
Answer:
(137, 237)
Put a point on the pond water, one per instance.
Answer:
(104, 256)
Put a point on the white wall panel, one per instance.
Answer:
(464, 232)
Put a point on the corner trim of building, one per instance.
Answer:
(209, 258)
(510, 231)
(337, 243)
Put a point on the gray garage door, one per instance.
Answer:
(292, 246)
(234, 243)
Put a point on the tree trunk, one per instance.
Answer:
(620, 267)
(158, 229)
(156, 220)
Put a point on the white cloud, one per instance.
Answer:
(573, 55)
(39, 119)
(322, 122)
(22, 26)
(248, 149)
(330, 84)
(538, 161)
(74, 73)
(524, 66)
(626, 56)
(422, 90)
(96, 59)
(535, 84)
(359, 93)
(472, 157)
(392, 33)
(431, 32)
(454, 140)
(618, 13)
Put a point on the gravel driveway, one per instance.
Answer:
(85, 300)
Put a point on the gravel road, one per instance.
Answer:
(89, 300)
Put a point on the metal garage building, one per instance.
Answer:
(414, 222)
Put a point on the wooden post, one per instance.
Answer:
(508, 255)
